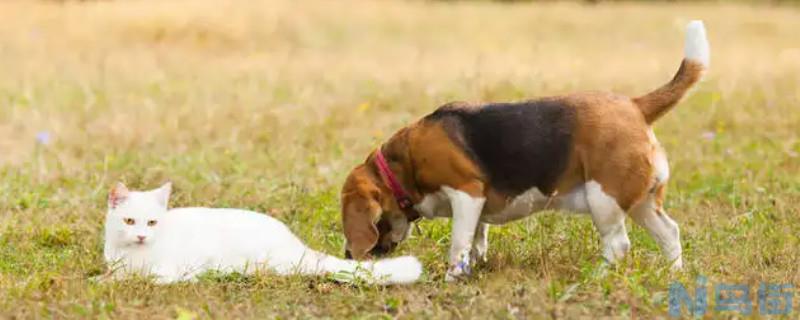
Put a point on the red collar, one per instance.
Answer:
(390, 179)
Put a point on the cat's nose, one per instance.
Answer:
(141, 238)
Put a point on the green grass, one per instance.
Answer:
(267, 106)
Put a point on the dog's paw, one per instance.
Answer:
(677, 265)
(455, 274)
(478, 255)
(459, 270)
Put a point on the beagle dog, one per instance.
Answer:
(493, 163)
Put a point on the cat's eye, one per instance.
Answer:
(129, 221)
(151, 223)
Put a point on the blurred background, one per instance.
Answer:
(267, 105)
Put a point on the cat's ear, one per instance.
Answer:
(118, 194)
(162, 194)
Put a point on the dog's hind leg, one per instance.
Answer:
(650, 214)
(480, 243)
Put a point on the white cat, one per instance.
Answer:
(143, 237)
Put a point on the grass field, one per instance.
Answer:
(267, 106)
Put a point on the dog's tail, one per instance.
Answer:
(695, 62)
(400, 270)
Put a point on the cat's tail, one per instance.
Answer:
(400, 270)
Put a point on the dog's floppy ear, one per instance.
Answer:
(360, 209)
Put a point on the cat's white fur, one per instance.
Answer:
(142, 236)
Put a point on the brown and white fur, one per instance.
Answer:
(487, 164)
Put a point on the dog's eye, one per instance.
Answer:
(151, 223)
(129, 221)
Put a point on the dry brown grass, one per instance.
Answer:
(267, 105)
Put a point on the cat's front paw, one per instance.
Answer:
(166, 278)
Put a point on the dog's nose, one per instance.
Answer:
(347, 254)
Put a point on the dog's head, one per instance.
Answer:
(373, 223)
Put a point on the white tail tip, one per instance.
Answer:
(400, 270)
(696, 48)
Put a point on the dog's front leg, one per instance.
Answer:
(466, 212)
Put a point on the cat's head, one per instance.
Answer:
(133, 216)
